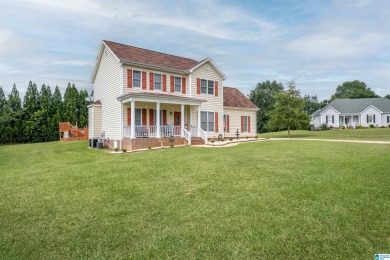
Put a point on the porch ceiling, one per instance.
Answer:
(159, 97)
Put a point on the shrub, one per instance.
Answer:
(124, 150)
(256, 137)
(212, 141)
(324, 127)
(389, 125)
(231, 139)
(383, 126)
(359, 127)
(372, 125)
(149, 147)
(343, 127)
(172, 145)
(246, 137)
(116, 149)
(349, 127)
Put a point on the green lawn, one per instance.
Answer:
(371, 134)
(263, 200)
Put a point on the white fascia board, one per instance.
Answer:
(371, 106)
(241, 108)
(99, 58)
(331, 108)
(212, 64)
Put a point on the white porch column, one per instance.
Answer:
(121, 141)
(158, 120)
(132, 135)
(198, 120)
(182, 120)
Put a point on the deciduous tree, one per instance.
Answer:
(354, 89)
(288, 112)
(263, 96)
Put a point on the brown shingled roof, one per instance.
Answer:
(128, 53)
(232, 97)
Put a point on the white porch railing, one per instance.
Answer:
(151, 131)
(187, 135)
(203, 135)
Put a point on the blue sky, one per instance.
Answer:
(318, 44)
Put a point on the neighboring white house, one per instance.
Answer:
(143, 98)
(354, 112)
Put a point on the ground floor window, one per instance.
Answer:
(370, 119)
(330, 119)
(245, 123)
(155, 117)
(138, 116)
(207, 121)
(388, 119)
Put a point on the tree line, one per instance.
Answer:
(284, 108)
(36, 119)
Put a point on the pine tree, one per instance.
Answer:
(82, 109)
(14, 120)
(45, 100)
(70, 104)
(57, 106)
(3, 102)
(14, 102)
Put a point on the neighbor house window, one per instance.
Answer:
(330, 119)
(207, 121)
(370, 119)
(388, 119)
(245, 123)
(177, 84)
(207, 86)
(136, 78)
(157, 81)
(138, 116)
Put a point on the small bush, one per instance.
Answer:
(331, 127)
(383, 126)
(349, 127)
(372, 125)
(324, 127)
(172, 145)
(212, 141)
(246, 137)
(359, 127)
(231, 139)
(149, 147)
(343, 127)
(388, 125)
(116, 149)
(124, 150)
(256, 137)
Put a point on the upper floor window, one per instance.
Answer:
(136, 78)
(177, 84)
(157, 81)
(207, 86)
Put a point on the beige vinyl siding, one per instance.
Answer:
(235, 121)
(214, 103)
(126, 89)
(97, 121)
(106, 89)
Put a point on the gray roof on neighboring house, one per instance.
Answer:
(348, 106)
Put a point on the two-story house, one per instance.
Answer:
(144, 98)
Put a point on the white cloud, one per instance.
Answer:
(73, 62)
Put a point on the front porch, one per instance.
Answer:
(349, 120)
(161, 118)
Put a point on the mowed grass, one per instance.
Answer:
(370, 134)
(263, 200)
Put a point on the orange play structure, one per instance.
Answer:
(69, 132)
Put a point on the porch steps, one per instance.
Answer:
(197, 141)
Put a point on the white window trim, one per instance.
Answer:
(174, 84)
(207, 121)
(245, 130)
(154, 82)
(370, 118)
(140, 76)
(207, 87)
